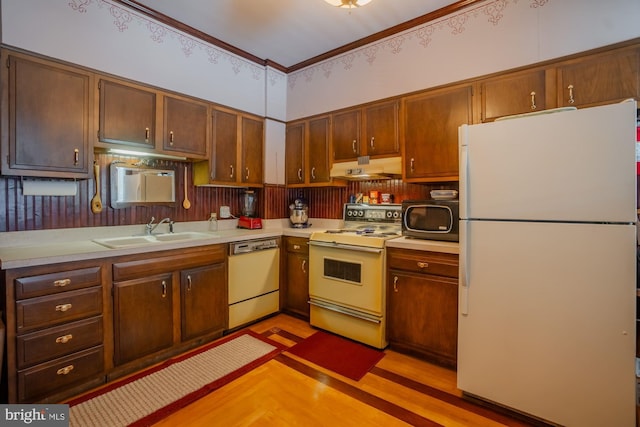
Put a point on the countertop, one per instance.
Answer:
(31, 248)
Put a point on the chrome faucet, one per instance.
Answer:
(150, 227)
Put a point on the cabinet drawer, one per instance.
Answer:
(38, 347)
(46, 284)
(438, 264)
(297, 244)
(45, 379)
(51, 310)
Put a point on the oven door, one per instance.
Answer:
(347, 275)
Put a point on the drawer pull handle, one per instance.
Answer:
(62, 283)
(63, 307)
(423, 264)
(296, 247)
(64, 339)
(65, 370)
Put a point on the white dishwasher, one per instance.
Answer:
(254, 280)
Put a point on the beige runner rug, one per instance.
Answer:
(153, 394)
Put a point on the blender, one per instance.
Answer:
(248, 218)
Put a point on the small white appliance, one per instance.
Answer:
(547, 296)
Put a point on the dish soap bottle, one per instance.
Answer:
(213, 222)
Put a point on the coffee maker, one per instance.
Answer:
(299, 214)
(248, 218)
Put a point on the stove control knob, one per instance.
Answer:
(396, 214)
(360, 213)
(389, 214)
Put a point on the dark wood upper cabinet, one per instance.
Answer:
(318, 150)
(225, 146)
(295, 153)
(517, 93)
(599, 79)
(431, 124)
(46, 118)
(185, 126)
(237, 151)
(345, 135)
(381, 129)
(127, 115)
(252, 145)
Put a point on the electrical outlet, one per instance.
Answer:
(225, 212)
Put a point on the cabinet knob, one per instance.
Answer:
(313, 173)
(304, 266)
(171, 138)
(296, 247)
(395, 283)
(300, 174)
(76, 157)
(64, 339)
(423, 264)
(189, 282)
(247, 173)
(146, 134)
(164, 288)
(61, 283)
(231, 171)
(65, 370)
(412, 163)
(353, 146)
(373, 143)
(63, 307)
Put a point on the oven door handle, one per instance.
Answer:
(344, 310)
(343, 246)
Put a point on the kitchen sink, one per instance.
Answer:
(134, 241)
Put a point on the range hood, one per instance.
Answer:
(368, 169)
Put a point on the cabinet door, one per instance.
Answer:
(423, 314)
(225, 147)
(47, 110)
(382, 138)
(319, 150)
(143, 317)
(297, 296)
(185, 126)
(294, 154)
(204, 305)
(513, 94)
(600, 79)
(252, 150)
(431, 133)
(127, 115)
(346, 135)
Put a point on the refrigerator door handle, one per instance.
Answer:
(463, 303)
(463, 152)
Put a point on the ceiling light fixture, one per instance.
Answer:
(347, 3)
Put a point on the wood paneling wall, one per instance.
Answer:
(20, 213)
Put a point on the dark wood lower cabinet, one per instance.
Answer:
(199, 287)
(422, 304)
(143, 317)
(296, 295)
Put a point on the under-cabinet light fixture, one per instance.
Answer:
(143, 154)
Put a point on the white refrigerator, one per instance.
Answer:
(547, 295)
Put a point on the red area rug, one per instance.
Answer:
(153, 394)
(340, 355)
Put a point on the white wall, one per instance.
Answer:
(111, 38)
(492, 36)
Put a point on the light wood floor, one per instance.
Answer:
(288, 391)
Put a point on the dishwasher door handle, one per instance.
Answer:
(345, 246)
